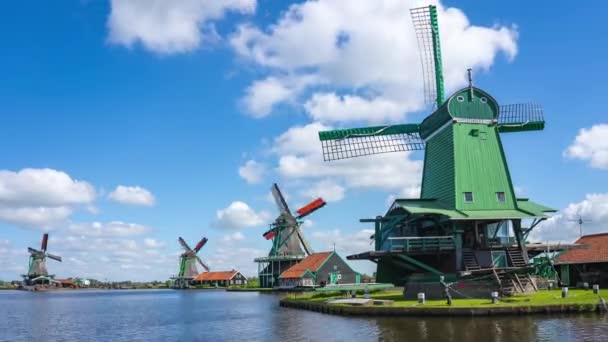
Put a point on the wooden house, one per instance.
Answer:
(319, 269)
(585, 265)
(227, 278)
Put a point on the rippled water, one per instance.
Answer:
(215, 315)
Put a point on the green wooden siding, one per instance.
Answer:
(434, 121)
(481, 168)
(438, 178)
(473, 108)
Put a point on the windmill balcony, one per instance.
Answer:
(421, 243)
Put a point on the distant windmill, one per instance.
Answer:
(37, 272)
(187, 263)
(285, 232)
(289, 246)
(580, 222)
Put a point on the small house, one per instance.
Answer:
(585, 265)
(319, 269)
(227, 278)
(66, 283)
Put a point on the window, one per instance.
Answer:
(500, 196)
(468, 197)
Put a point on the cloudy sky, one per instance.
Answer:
(128, 123)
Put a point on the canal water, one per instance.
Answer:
(215, 315)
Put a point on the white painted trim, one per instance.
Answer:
(438, 130)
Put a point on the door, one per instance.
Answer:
(565, 274)
(333, 278)
(499, 259)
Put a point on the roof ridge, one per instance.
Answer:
(592, 235)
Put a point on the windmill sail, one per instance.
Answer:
(202, 264)
(356, 142)
(45, 240)
(188, 260)
(37, 267)
(184, 244)
(521, 117)
(54, 257)
(426, 28)
(304, 242)
(279, 200)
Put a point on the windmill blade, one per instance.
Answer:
(304, 242)
(200, 245)
(202, 264)
(269, 234)
(45, 240)
(280, 200)
(426, 27)
(54, 257)
(32, 251)
(311, 207)
(184, 244)
(356, 142)
(521, 117)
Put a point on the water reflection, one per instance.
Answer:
(219, 316)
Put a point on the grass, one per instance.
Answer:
(541, 298)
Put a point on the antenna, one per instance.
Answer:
(580, 222)
(470, 75)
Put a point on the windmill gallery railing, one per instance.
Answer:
(421, 243)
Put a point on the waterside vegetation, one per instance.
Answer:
(392, 302)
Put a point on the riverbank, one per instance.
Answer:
(393, 304)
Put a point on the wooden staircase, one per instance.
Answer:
(516, 258)
(470, 261)
(512, 283)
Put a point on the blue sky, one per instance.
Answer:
(98, 94)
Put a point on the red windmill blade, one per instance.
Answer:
(45, 240)
(200, 245)
(311, 207)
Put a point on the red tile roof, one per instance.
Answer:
(311, 263)
(215, 276)
(597, 251)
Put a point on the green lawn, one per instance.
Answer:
(540, 298)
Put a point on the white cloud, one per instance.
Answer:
(327, 189)
(113, 258)
(239, 215)
(329, 107)
(41, 198)
(252, 172)
(236, 236)
(347, 244)
(109, 229)
(299, 156)
(591, 144)
(133, 195)
(364, 50)
(227, 257)
(152, 243)
(351, 243)
(563, 226)
(40, 217)
(42, 187)
(262, 95)
(169, 26)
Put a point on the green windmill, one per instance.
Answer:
(289, 246)
(467, 223)
(187, 263)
